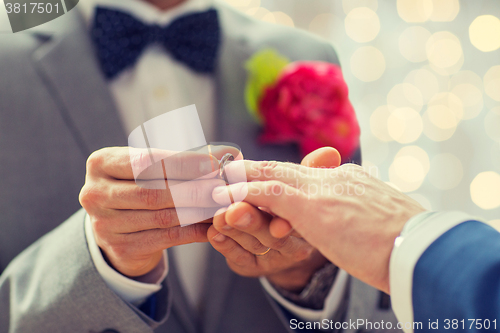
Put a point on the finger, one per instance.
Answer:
(133, 245)
(289, 173)
(232, 251)
(279, 227)
(131, 221)
(326, 157)
(245, 240)
(281, 199)
(128, 195)
(250, 228)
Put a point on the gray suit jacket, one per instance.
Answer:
(55, 109)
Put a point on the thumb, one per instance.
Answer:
(326, 157)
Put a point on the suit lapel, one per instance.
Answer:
(68, 65)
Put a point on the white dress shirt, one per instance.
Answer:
(155, 85)
(417, 235)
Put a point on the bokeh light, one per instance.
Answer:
(404, 125)
(367, 63)
(378, 122)
(412, 42)
(405, 95)
(328, 26)
(492, 124)
(445, 10)
(466, 77)
(472, 99)
(446, 171)
(349, 5)
(415, 10)
(495, 224)
(425, 81)
(484, 33)
(362, 24)
(485, 190)
(444, 50)
(411, 165)
(492, 82)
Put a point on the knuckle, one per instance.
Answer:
(164, 218)
(90, 195)
(279, 243)
(257, 247)
(95, 160)
(149, 197)
(267, 168)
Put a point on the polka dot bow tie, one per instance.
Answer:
(120, 38)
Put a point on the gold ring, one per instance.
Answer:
(263, 253)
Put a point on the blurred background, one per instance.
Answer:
(424, 78)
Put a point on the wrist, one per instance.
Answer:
(295, 279)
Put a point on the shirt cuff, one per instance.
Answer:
(417, 235)
(132, 291)
(332, 301)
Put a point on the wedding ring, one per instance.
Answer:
(263, 253)
(222, 164)
(225, 160)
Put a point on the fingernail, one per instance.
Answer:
(227, 228)
(219, 238)
(219, 190)
(244, 221)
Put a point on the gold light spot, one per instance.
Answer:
(362, 24)
(444, 50)
(378, 122)
(446, 171)
(425, 81)
(410, 166)
(485, 190)
(415, 10)
(445, 110)
(412, 43)
(492, 83)
(367, 63)
(445, 10)
(404, 125)
(484, 33)
(471, 97)
(405, 95)
(466, 77)
(327, 26)
(349, 5)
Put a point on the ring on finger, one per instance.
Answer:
(263, 253)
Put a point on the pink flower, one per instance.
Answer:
(309, 105)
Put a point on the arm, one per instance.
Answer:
(53, 286)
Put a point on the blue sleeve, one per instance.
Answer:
(458, 277)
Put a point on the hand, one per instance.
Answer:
(351, 217)
(134, 220)
(242, 232)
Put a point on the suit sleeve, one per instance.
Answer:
(446, 267)
(53, 286)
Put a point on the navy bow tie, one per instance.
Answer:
(120, 38)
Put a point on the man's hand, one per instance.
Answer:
(351, 217)
(242, 233)
(134, 223)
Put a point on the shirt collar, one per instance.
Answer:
(143, 10)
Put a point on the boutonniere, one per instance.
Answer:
(303, 102)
